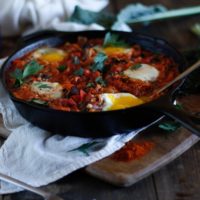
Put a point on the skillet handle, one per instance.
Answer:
(188, 121)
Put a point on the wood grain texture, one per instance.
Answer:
(167, 148)
(180, 180)
(79, 186)
(175, 31)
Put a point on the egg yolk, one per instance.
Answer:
(52, 57)
(115, 50)
(123, 102)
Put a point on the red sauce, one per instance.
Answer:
(82, 81)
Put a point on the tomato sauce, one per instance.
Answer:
(71, 77)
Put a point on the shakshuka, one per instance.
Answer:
(90, 75)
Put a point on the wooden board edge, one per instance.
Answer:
(125, 180)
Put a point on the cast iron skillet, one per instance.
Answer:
(99, 124)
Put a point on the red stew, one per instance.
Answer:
(72, 77)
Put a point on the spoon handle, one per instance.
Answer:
(180, 76)
(24, 185)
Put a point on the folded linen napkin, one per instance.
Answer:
(19, 16)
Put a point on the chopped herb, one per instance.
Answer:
(99, 60)
(169, 126)
(30, 69)
(79, 72)
(196, 29)
(18, 83)
(87, 17)
(85, 148)
(179, 106)
(100, 81)
(76, 60)
(17, 74)
(139, 11)
(113, 40)
(136, 66)
(42, 85)
(90, 84)
(62, 68)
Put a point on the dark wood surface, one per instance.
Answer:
(180, 179)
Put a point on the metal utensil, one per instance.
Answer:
(44, 194)
(181, 75)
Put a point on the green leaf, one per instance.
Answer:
(196, 29)
(44, 86)
(62, 68)
(79, 72)
(87, 17)
(169, 126)
(99, 60)
(17, 74)
(85, 148)
(179, 106)
(31, 68)
(90, 84)
(100, 81)
(113, 40)
(136, 11)
(136, 66)
(18, 83)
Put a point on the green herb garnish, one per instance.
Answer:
(178, 106)
(100, 81)
(136, 66)
(99, 60)
(79, 72)
(113, 40)
(169, 126)
(90, 84)
(44, 86)
(31, 68)
(85, 148)
(83, 16)
(62, 68)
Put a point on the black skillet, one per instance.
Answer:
(100, 124)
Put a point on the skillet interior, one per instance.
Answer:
(87, 124)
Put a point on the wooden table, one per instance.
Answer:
(180, 179)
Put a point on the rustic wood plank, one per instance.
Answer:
(180, 180)
(180, 37)
(80, 186)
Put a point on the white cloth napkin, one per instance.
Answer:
(17, 16)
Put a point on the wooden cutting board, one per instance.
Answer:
(168, 146)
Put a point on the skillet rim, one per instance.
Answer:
(40, 35)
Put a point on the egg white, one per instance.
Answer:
(47, 89)
(144, 73)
